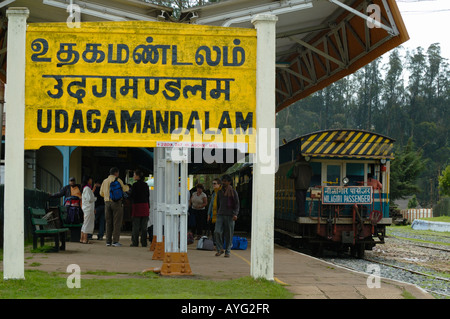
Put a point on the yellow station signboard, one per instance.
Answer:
(140, 84)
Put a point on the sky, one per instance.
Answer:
(427, 22)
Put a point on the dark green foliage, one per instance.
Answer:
(444, 182)
(405, 169)
(404, 95)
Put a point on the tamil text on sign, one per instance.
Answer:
(138, 84)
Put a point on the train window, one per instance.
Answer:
(316, 179)
(355, 173)
(333, 175)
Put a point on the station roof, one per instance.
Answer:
(318, 41)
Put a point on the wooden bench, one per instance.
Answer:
(41, 228)
(75, 229)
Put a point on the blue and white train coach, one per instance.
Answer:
(347, 206)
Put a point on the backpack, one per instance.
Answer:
(74, 213)
(72, 201)
(115, 191)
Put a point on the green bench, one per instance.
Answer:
(75, 229)
(41, 228)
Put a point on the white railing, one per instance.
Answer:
(411, 214)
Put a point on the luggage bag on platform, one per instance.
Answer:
(238, 243)
(205, 243)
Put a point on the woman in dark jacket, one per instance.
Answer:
(227, 212)
(140, 209)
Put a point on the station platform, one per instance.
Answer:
(305, 276)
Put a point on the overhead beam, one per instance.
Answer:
(327, 56)
(100, 11)
(5, 3)
(312, 48)
(373, 21)
(245, 15)
(284, 8)
(319, 27)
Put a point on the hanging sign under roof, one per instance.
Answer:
(139, 84)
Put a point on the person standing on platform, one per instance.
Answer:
(140, 209)
(227, 213)
(88, 205)
(212, 209)
(113, 206)
(302, 174)
(73, 189)
(198, 203)
(99, 210)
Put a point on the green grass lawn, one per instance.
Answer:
(42, 285)
(105, 285)
(445, 219)
(398, 230)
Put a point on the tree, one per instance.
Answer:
(443, 206)
(179, 5)
(416, 68)
(444, 182)
(406, 98)
(390, 120)
(405, 169)
(430, 132)
(412, 203)
(368, 94)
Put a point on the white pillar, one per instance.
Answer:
(176, 200)
(262, 247)
(159, 189)
(13, 252)
(183, 201)
(171, 225)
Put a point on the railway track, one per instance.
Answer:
(432, 277)
(434, 284)
(400, 259)
(406, 269)
(435, 248)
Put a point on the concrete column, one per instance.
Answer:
(158, 204)
(263, 176)
(66, 152)
(176, 200)
(159, 182)
(13, 253)
(175, 227)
